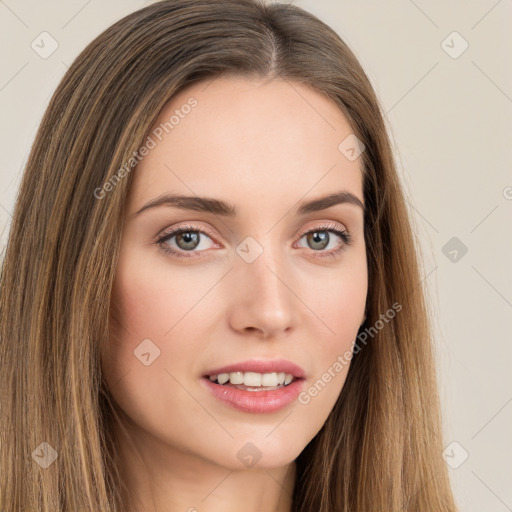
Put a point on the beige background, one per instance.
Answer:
(450, 119)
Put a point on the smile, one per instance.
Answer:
(253, 381)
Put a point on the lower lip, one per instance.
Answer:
(256, 401)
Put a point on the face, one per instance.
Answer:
(268, 281)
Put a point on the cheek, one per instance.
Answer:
(338, 306)
(159, 310)
(151, 298)
(149, 315)
(337, 298)
(146, 306)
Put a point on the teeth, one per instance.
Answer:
(236, 378)
(253, 379)
(222, 378)
(269, 379)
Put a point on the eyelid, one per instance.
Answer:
(185, 227)
(323, 224)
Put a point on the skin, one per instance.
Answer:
(263, 146)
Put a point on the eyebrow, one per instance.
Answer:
(224, 208)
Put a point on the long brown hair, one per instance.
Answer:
(380, 448)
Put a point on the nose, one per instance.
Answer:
(263, 299)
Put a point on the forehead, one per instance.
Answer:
(237, 138)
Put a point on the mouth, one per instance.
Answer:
(253, 381)
(256, 386)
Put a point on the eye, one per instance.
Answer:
(319, 238)
(189, 238)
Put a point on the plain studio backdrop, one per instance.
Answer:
(442, 73)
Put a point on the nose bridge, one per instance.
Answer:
(264, 297)
(264, 264)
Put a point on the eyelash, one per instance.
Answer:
(332, 228)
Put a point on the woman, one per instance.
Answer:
(211, 297)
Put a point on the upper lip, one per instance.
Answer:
(261, 366)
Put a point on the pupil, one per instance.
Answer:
(321, 237)
(190, 238)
